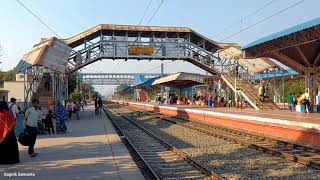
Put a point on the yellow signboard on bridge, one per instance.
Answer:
(208, 81)
(137, 50)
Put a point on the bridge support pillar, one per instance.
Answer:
(58, 86)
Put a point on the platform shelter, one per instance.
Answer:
(296, 47)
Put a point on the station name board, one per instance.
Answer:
(137, 50)
(208, 81)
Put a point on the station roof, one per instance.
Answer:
(126, 90)
(297, 47)
(145, 84)
(181, 80)
(289, 72)
(143, 31)
(256, 65)
(138, 78)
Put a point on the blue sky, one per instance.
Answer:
(19, 31)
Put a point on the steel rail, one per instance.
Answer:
(178, 152)
(306, 155)
(126, 139)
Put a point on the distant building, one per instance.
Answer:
(14, 88)
(4, 95)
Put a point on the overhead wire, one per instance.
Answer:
(248, 27)
(150, 1)
(38, 18)
(118, 63)
(245, 18)
(155, 12)
(43, 23)
(157, 66)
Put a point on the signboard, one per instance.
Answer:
(209, 81)
(137, 50)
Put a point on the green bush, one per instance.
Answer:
(75, 96)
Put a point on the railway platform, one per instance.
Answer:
(294, 126)
(91, 149)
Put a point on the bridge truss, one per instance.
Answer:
(117, 42)
(114, 78)
(166, 43)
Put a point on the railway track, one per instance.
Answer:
(163, 160)
(306, 155)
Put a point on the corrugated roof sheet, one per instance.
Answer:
(285, 32)
(145, 84)
(180, 77)
(257, 65)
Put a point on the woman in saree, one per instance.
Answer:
(9, 152)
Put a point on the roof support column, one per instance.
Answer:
(309, 84)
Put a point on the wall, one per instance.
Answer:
(300, 134)
(15, 89)
(143, 96)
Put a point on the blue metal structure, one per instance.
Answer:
(285, 32)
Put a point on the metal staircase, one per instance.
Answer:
(35, 87)
(42, 94)
(241, 81)
(247, 89)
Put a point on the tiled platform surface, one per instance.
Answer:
(295, 126)
(90, 150)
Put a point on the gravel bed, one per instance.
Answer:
(135, 136)
(230, 160)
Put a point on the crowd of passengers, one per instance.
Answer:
(24, 126)
(200, 100)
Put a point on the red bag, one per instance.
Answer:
(7, 123)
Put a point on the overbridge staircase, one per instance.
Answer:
(246, 88)
(38, 91)
(243, 83)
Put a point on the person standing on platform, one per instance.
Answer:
(49, 123)
(290, 102)
(9, 152)
(306, 101)
(96, 105)
(159, 100)
(70, 107)
(261, 92)
(82, 104)
(100, 105)
(77, 109)
(13, 108)
(32, 117)
(50, 103)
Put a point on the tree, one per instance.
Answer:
(7, 76)
(295, 87)
(75, 96)
(86, 89)
(72, 82)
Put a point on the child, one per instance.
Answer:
(48, 122)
